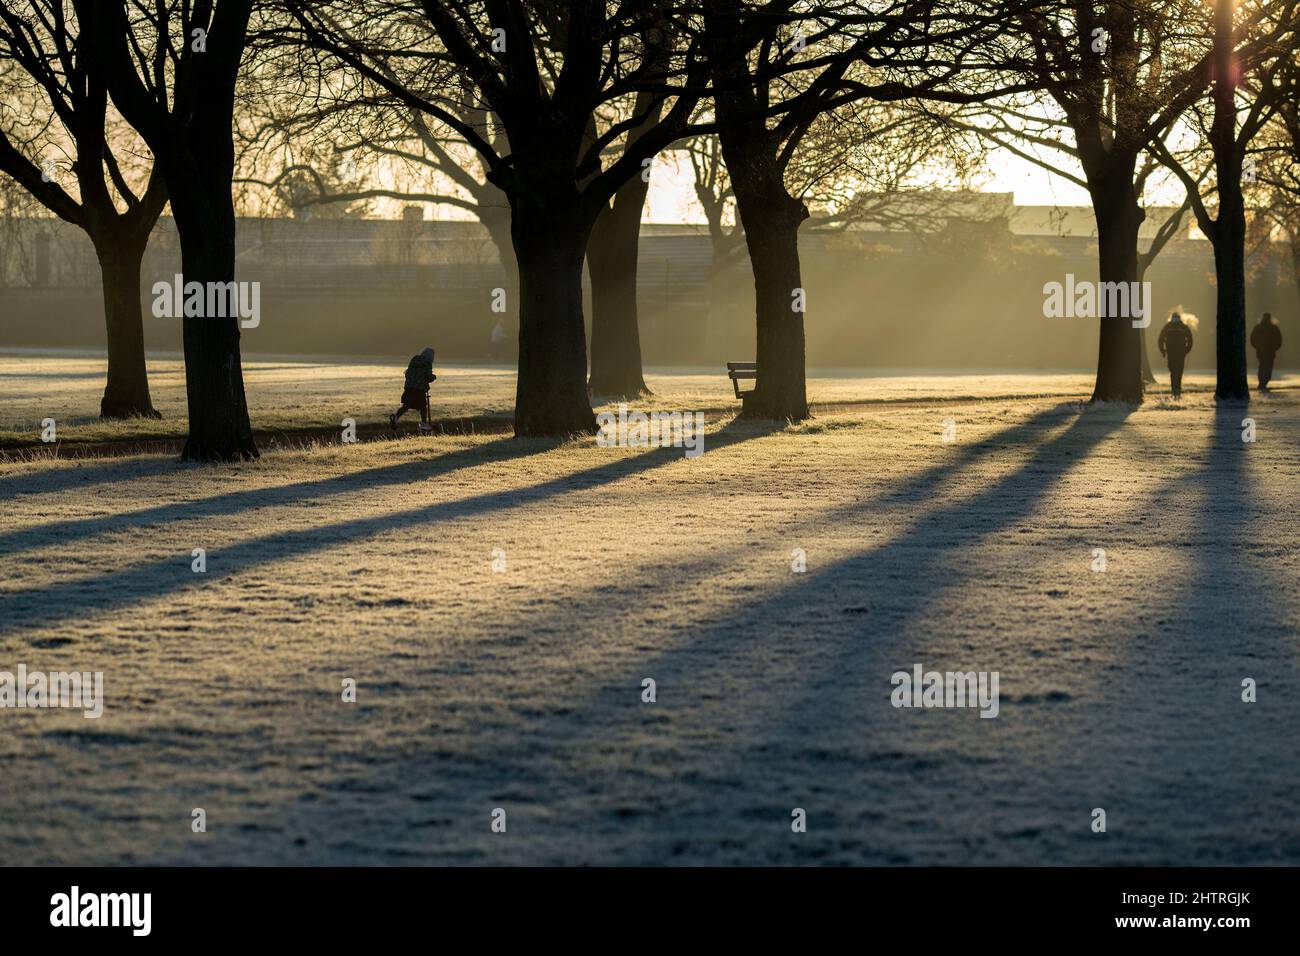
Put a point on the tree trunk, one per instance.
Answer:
(612, 257)
(1148, 376)
(214, 379)
(1119, 361)
(126, 394)
(1230, 226)
(615, 333)
(771, 217)
(1230, 318)
(187, 124)
(1293, 239)
(550, 240)
(780, 390)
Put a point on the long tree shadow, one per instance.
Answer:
(50, 605)
(851, 625)
(62, 375)
(234, 502)
(1215, 778)
(499, 450)
(508, 765)
(773, 696)
(86, 474)
(719, 757)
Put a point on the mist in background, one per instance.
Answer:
(962, 292)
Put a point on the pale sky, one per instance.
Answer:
(672, 194)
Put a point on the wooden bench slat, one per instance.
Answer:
(741, 370)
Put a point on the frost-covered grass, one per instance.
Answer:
(521, 688)
(282, 395)
(296, 395)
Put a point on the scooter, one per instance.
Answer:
(426, 423)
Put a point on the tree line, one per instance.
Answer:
(544, 117)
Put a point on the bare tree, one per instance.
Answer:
(543, 71)
(1254, 47)
(891, 165)
(309, 102)
(334, 138)
(1277, 191)
(55, 126)
(713, 192)
(1117, 75)
(171, 70)
(776, 70)
(612, 262)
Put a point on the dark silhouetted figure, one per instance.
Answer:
(1175, 342)
(1266, 338)
(415, 392)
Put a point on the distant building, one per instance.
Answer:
(934, 279)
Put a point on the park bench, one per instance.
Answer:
(738, 370)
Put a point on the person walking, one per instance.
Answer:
(1175, 342)
(1266, 339)
(415, 390)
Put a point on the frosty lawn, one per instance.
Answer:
(521, 688)
(294, 395)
